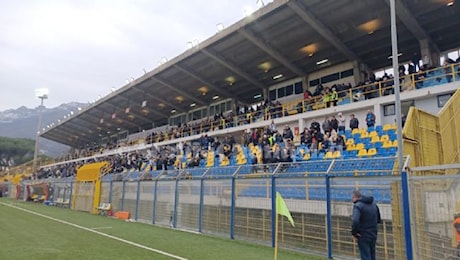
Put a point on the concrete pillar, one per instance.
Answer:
(360, 72)
(378, 112)
(265, 94)
(302, 124)
(429, 55)
(234, 105)
(304, 83)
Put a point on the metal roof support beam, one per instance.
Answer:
(233, 68)
(69, 132)
(195, 75)
(57, 136)
(59, 140)
(70, 127)
(411, 23)
(77, 125)
(169, 85)
(145, 119)
(320, 28)
(98, 124)
(159, 100)
(265, 46)
(64, 140)
(153, 111)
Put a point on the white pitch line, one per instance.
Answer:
(99, 233)
(96, 228)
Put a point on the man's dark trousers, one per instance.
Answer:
(366, 248)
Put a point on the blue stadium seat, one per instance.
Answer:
(379, 129)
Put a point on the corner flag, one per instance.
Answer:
(282, 209)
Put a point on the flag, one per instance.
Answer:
(282, 209)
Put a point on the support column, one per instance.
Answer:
(378, 114)
(302, 124)
(265, 94)
(234, 106)
(359, 74)
(305, 83)
(429, 55)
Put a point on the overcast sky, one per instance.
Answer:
(81, 49)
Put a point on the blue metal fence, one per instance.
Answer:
(236, 202)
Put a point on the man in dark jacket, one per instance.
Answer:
(366, 216)
(354, 123)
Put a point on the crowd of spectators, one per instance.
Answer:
(321, 97)
(275, 146)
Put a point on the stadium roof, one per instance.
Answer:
(284, 37)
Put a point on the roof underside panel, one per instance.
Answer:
(241, 61)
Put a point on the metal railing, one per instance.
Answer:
(237, 202)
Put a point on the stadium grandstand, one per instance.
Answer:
(297, 97)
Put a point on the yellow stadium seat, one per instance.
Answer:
(225, 161)
(362, 152)
(328, 155)
(362, 130)
(306, 157)
(210, 159)
(365, 135)
(375, 139)
(387, 127)
(359, 146)
(384, 138)
(350, 141)
(241, 158)
(387, 144)
(336, 154)
(351, 147)
(395, 143)
(373, 133)
(371, 152)
(355, 131)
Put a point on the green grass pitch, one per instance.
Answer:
(24, 235)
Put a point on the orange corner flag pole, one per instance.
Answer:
(281, 209)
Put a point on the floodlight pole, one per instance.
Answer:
(401, 171)
(394, 47)
(37, 136)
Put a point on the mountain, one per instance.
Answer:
(22, 123)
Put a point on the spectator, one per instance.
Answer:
(341, 122)
(370, 119)
(334, 123)
(327, 98)
(354, 123)
(307, 95)
(287, 133)
(326, 143)
(366, 216)
(314, 126)
(448, 69)
(326, 125)
(254, 163)
(457, 232)
(338, 142)
(305, 136)
(334, 97)
(403, 119)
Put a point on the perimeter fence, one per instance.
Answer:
(417, 212)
